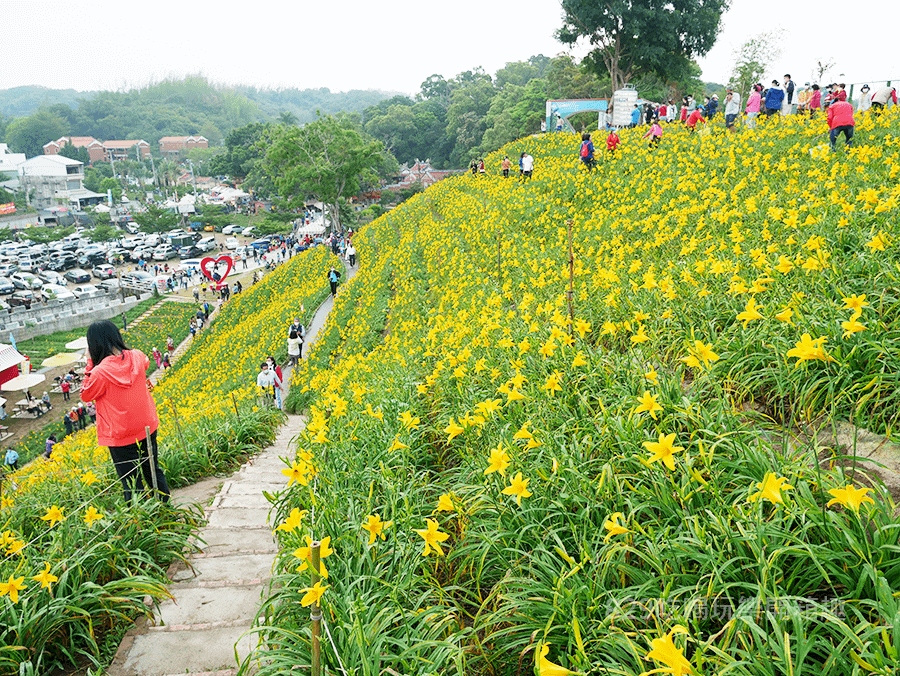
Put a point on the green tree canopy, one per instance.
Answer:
(631, 37)
(157, 219)
(326, 160)
(29, 134)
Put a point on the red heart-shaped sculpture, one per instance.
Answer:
(205, 264)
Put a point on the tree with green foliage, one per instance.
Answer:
(157, 219)
(645, 36)
(275, 223)
(103, 233)
(752, 59)
(326, 160)
(73, 153)
(212, 214)
(29, 134)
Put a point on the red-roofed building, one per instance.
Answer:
(176, 145)
(127, 150)
(420, 173)
(96, 150)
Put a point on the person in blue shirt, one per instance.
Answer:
(587, 151)
(774, 98)
(333, 277)
(11, 460)
(635, 116)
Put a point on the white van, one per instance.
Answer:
(27, 263)
(207, 244)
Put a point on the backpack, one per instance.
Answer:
(585, 151)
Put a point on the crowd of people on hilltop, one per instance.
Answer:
(778, 99)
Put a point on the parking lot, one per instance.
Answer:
(75, 268)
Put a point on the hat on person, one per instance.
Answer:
(865, 87)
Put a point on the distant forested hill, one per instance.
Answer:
(32, 116)
(22, 101)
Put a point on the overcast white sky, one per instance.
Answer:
(388, 45)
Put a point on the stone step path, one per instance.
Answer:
(216, 597)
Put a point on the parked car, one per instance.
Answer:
(232, 243)
(85, 290)
(116, 254)
(164, 252)
(51, 277)
(131, 242)
(192, 251)
(92, 259)
(231, 229)
(132, 227)
(141, 253)
(7, 269)
(77, 276)
(248, 231)
(104, 271)
(109, 285)
(152, 240)
(207, 244)
(138, 279)
(63, 261)
(51, 291)
(262, 243)
(25, 280)
(21, 298)
(6, 286)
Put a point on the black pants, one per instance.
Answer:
(333, 288)
(352, 260)
(847, 130)
(128, 459)
(66, 396)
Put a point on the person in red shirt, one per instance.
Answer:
(694, 118)
(840, 120)
(612, 141)
(815, 101)
(115, 379)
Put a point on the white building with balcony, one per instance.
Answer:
(49, 180)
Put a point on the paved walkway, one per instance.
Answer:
(216, 596)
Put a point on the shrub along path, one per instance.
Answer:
(216, 596)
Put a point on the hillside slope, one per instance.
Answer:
(508, 474)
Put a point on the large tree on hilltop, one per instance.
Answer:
(325, 159)
(642, 36)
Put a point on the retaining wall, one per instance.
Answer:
(63, 315)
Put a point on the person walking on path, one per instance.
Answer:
(333, 277)
(66, 388)
(587, 151)
(265, 381)
(294, 346)
(279, 378)
(115, 380)
(505, 165)
(351, 254)
(840, 121)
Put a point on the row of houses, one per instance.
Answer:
(105, 151)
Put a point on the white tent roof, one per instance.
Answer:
(311, 229)
(9, 357)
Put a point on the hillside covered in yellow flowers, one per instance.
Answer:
(512, 479)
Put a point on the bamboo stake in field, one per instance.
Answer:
(316, 612)
(234, 402)
(570, 294)
(150, 460)
(178, 426)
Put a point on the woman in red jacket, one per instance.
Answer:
(116, 380)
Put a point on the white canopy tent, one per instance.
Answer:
(23, 382)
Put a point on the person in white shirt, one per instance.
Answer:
(351, 254)
(265, 381)
(527, 165)
(732, 108)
